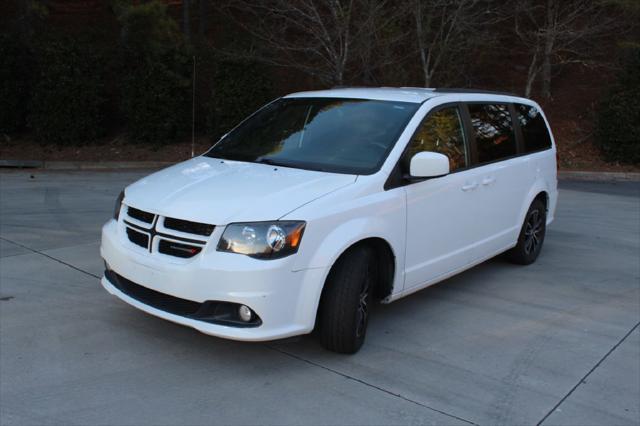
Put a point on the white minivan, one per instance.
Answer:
(323, 202)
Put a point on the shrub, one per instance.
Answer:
(239, 88)
(15, 83)
(156, 103)
(618, 127)
(156, 68)
(69, 95)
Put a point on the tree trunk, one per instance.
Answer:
(546, 73)
(549, 38)
(186, 25)
(203, 18)
(26, 20)
(338, 78)
(421, 47)
(532, 73)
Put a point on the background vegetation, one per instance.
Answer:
(74, 73)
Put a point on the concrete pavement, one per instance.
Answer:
(555, 343)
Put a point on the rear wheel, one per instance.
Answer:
(531, 235)
(344, 308)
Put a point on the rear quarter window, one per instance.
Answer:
(535, 133)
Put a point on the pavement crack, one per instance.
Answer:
(50, 257)
(378, 388)
(584, 378)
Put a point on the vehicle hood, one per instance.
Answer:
(219, 192)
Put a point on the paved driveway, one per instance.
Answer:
(556, 342)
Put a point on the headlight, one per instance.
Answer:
(262, 240)
(116, 208)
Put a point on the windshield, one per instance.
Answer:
(334, 135)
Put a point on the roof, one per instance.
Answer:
(400, 94)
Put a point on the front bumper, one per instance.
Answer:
(285, 300)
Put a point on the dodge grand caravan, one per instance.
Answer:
(321, 203)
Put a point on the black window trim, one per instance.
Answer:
(397, 179)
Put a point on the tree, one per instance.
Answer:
(379, 53)
(559, 32)
(314, 36)
(446, 30)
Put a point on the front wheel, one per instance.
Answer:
(344, 308)
(531, 235)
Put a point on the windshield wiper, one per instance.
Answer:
(271, 162)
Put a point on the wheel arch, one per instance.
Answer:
(385, 259)
(537, 191)
(385, 262)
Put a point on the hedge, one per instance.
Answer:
(15, 83)
(239, 88)
(618, 127)
(69, 94)
(156, 70)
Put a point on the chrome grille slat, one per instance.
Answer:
(138, 238)
(173, 248)
(140, 215)
(188, 226)
(158, 237)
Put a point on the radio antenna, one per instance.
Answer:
(193, 111)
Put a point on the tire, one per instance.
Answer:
(531, 235)
(344, 307)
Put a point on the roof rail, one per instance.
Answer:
(380, 87)
(346, 86)
(459, 90)
(442, 90)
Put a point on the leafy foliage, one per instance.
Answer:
(15, 83)
(618, 129)
(240, 87)
(156, 69)
(69, 93)
(156, 101)
(147, 29)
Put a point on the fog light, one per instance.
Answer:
(245, 313)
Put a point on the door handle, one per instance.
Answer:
(470, 186)
(488, 180)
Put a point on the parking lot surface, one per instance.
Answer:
(554, 343)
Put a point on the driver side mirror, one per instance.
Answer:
(428, 165)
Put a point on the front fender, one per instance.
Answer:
(341, 221)
(346, 235)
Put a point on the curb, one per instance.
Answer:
(599, 176)
(123, 165)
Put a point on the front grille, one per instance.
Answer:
(166, 234)
(138, 238)
(140, 215)
(188, 226)
(177, 249)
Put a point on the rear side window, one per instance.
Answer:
(440, 132)
(534, 129)
(493, 130)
